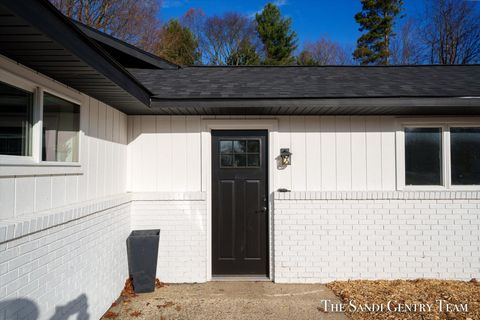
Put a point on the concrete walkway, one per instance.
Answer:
(229, 300)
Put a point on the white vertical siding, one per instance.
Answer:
(332, 153)
(314, 154)
(164, 153)
(359, 152)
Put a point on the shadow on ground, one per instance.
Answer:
(28, 309)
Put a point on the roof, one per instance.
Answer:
(419, 89)
(39, 36)
(125, 53)
(312, 81)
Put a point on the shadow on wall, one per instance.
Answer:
(14, 309)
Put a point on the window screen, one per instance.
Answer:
(240, 153)
(61, 123)
(465, 155)
(423, 156)
(15, 121)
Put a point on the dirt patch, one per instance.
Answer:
(402, 299)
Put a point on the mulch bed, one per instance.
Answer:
(406, 298)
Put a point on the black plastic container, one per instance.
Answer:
(142, 250)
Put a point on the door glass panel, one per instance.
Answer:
(253, 146)
(241, 153)
(253, 160)
(465, 155)
(226, 146)
(240, 160)
(226, 160)
(423, 156)
(239, 146)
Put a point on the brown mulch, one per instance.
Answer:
(363, 293)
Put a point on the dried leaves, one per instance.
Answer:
(110, 315)
(135, 314)
(411, 292)
(128, 291)
(159, 284)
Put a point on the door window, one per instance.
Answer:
(243, 153)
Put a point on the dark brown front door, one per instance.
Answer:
(239, 203)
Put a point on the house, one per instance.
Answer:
(293, 174)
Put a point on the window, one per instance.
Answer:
(239, 153)
(465, 156)
(15, 121)
(423, 156)
(61, 123)
(436, 156)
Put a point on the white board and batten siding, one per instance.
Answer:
(164, 153)
(102, 157)
(330, 153)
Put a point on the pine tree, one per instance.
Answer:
(377, 19)
(178, 44)
(245, 55)
(277, 37)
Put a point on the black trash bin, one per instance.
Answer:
(142, 250)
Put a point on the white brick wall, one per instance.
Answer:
(320, 237)
(76, 266)
(181, 217)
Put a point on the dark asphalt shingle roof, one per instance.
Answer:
(312, 82)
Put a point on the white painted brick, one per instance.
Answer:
(407, 237)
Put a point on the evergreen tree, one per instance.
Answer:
(276, 35)
(178, 44)
(377, 19)
(245, 55)
(305, 59)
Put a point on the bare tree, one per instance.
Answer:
(129, 20)
(324, 52)
(406, 46)
(221, 37)
(452, 31)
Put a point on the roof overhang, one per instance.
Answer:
(119, 47)
(38, 36)
(319, 106)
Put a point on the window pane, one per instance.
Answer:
(253, 146)
(61, 123)
(226, 146)
(253, 160)
(15, 121)
(240, 160)
(239, 146)
(465, 155)
(226, 160)
(423, 156)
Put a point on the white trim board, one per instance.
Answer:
(271, 125)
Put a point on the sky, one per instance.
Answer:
(311, 18)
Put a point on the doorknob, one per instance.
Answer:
(264, 209)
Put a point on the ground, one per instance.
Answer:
(447, 299)
(227, 300)
(267, 300)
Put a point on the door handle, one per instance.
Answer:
(264, 209)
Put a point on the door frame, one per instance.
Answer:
(271, 126)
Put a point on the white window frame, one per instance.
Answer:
(33, 164)
(444, 124)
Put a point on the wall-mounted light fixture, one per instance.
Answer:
(286, 156)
